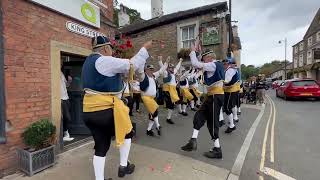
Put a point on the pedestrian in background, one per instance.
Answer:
(261, 85)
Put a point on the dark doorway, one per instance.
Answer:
(72, 66)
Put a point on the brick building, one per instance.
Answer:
(306, 53)
(179, 30)
(35, 36)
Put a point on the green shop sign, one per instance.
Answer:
(210, 34)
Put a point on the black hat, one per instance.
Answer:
(150, 66)
(99, 41)
(206, 52)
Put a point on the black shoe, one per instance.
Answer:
(236, 120)
(181, 113)
(169, 121)
(129, 169)
(222, 123)
(229, 130)
(184, 113)
(197, 106)
(150, 133)
(239, 113)
(193, 109)
(215, 153)
(159, 130)
(190, 146)
(108, 179)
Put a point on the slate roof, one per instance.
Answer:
(314, 26)
(169, 18)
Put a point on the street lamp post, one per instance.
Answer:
(285, 57)
(230, 31)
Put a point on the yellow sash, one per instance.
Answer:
(186, 94)
(126, 94)
(196, 92)
(150, 104)
(233, 88)
(215, 90)
(172, 91)
(122, 122)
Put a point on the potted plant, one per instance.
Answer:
(40, 138)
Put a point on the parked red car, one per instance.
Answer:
(299, 88)
(276, 84)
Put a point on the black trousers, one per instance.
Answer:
(195, 98)
(152, 116)
(167, 99)
(135, 99)
(238, 99)
(66, 116)
(209, 112)
(230, 101)
(101, 125)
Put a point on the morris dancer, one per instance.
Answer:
(169, 88)
(231, 89)
(194, 85)
(210, 109)
(148, 87)
(103, 111)
(186, 96)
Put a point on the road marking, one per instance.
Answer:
(237, 166)
(272, 132)
(277, 175)
(264, 144)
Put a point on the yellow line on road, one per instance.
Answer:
(263, 152)
(272, 132)
(277, 175)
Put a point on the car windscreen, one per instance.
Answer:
(304, 83)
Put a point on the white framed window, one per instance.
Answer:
(187, 33)
(295, 62)
(318, 36)
(188, 36)
(310, 41)
(301, 60)
(309, 57)
(301, 46)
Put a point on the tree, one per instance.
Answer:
(133, 14)
(248, 71)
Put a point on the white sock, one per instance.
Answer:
(150, 125)
(192, 104)
(169, 113)
(179, 108)
(195, 133)
(156, 120)
(198, 101)
(239, 109)
(235, 114)
(184, 108)
(124, 152)
(231, 123)
(216, 143)
(98, 165)
(221, 118)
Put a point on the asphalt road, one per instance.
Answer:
(291, 140)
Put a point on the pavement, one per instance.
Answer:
(271, 142)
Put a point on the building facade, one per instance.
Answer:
(279, 74)
(306, 53)
(38, 40)
(179, 30)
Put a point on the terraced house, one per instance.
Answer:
(306, 53)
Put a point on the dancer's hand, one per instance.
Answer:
(148, 45)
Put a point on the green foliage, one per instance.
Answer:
(184, 53)
(133, 14)
(248, 71)
(40, 134)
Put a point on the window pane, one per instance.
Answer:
(304, 83)
(185, 44)
(184, 34)
(191, 33)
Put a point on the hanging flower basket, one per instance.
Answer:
(123, 48)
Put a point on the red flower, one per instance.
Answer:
(122, 46)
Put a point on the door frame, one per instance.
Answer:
(2, 86)
(56, 48)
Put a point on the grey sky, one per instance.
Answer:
(262, 23)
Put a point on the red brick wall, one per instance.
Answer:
(28, 30)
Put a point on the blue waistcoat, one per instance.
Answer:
(217, 76)
(235, 78)
(92, 79)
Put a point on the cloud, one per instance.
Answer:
(262, 23)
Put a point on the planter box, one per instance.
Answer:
(33, 162)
